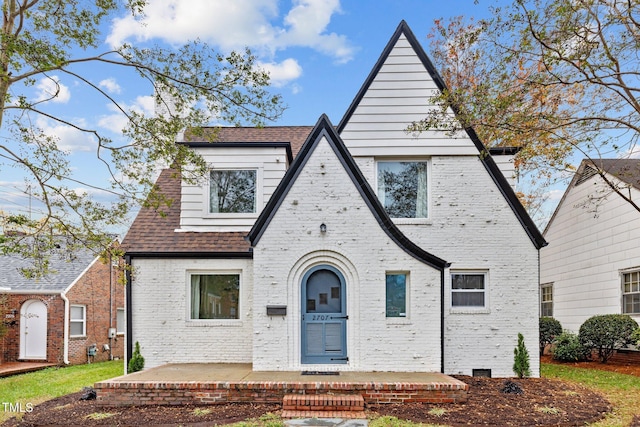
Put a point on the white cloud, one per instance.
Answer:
(234, 24)
(116, 121)
(282, 73)
(110, 85)
(50, 88)
(554, 195)
(68, 139)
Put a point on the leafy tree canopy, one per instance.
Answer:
(193, 85)
(554, 77)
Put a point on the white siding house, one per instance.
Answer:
(357, 247)
(592, 264)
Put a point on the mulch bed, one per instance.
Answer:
(543, 402)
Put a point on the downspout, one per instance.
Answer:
(129, 335)
(65, 334)
(442, 320)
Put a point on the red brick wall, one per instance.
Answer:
(100, 291)
(95, 289)
(10, 350)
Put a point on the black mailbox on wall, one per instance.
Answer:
(276, 310)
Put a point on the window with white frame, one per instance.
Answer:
(214, 296)
(402, 188)
(631, 292)
(468, 289)
(232, 191)
(120, 321)
(78, 321)
(396, 295)
(546, 300)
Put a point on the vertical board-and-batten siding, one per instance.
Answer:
(398, 95)
(470, 223)
(161, 323)
(590, 244)
(354, 243)
(271, 164)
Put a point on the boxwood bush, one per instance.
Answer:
(567, 348)
(550, 328)
(607, 332)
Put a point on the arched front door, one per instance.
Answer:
(324, 316)
(33, 330)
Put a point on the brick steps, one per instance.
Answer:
(323, 406)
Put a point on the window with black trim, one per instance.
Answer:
(631, 292)
(468, 289)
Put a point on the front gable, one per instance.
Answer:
(324, 131)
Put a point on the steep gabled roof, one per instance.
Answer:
(626, 170)
(153, 233)
(501, 182)
(324, 129)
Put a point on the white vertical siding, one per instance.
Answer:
(589, 244)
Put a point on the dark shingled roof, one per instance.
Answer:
(627, 170)
(67, 267)
(153, 233)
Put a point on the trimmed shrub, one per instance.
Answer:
(635, 338)
(521, 359)
(550, 328)
(567, 348)
(607, 332)
(137, 361)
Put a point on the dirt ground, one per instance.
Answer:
(543, 402)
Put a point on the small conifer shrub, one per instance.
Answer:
(521, 359)
(137, 361)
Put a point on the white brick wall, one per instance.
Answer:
(359, 248)
(160, 313)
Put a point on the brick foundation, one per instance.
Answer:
(112, 393)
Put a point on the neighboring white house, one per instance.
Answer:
(358, 247)
(592, 264)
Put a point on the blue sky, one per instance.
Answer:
(319, 53)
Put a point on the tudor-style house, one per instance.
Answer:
(352, 247)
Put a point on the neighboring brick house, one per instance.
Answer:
(358, 247)
(592, 265)
(56, 318)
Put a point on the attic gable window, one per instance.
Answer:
(402, 188)
(232, 191)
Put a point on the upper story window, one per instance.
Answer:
(232, 191)
(546, 300)
(631, 292)
(402, 188)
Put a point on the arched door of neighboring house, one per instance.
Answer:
(33, 330)
(324, 316)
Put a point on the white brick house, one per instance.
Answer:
(357, 247)
(592, 265)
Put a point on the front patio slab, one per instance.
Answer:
(206, 383)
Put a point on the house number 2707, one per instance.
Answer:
(321, 317)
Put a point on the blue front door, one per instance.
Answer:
(324, 316)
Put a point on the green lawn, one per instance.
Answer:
(621, 390)
(36, 387)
